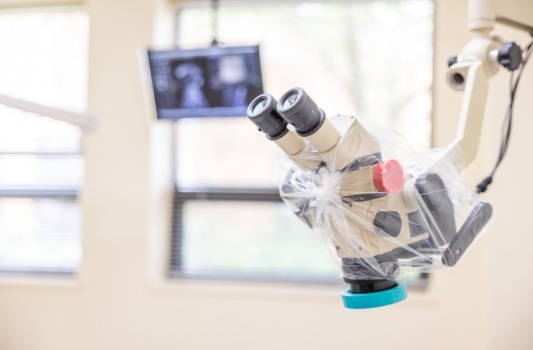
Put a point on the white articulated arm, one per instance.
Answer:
(473, 67)
(471, 77)
(472, 112)
(481, 15)
(479, 60)
(84, 121)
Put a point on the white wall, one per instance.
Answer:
(121, 299)
(509, 258)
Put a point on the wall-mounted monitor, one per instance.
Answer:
(211, 82)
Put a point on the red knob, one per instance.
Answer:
(388, 176)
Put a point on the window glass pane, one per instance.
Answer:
(49, 171)
(371, 59)
(39, 235)
(44, 57)
(26, 132)
(252, 240)
(44, 61)
(227, 152)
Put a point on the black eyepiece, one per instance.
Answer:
(262, 112)
(301, 111)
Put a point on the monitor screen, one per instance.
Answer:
(211, 82)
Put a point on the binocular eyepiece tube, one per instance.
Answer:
(297, 108)
(262, 112)
(301, 111)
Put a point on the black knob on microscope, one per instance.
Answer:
(510, 56)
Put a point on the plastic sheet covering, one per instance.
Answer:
(384, 205)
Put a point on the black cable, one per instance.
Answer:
(508, 120)
(214, 22)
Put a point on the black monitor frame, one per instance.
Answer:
(209, 82)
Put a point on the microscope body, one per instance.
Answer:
(353, 166)
(378, 215)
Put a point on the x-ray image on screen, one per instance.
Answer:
(212, 82)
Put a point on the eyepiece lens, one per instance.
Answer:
(290, 99)
(259, 106)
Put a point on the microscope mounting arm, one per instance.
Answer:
(480, 60)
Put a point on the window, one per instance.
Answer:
(228, 218)
(44, 60)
